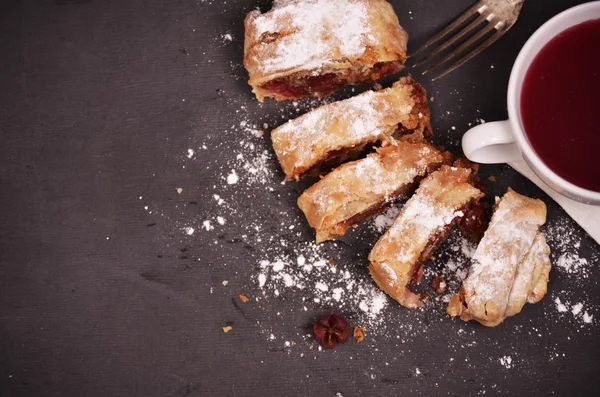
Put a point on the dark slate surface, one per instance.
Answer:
(99, 102)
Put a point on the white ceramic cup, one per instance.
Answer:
(505, 141)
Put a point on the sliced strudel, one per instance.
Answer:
(423, 224)
(310, 48)
(358, 190)
(509, 267)
(337, 132)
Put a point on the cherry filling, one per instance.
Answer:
(474, 223)
(293, 87)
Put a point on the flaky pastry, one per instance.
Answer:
(510, 266)
(310, 48)
(337, 132)
(424, 222)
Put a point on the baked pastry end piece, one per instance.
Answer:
(510, 266)
(398, 258)
(311, 48)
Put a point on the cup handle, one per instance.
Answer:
(491, 143)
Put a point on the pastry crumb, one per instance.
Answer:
(439, 284)
(179, 190)
(227, 329)
(492, 178)
(359, 334)
(243, 298)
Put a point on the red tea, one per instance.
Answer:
(560, 105)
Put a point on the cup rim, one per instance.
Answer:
(514, 93)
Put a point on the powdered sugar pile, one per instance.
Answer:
(577, 310)
(571, 263)
(507, 362)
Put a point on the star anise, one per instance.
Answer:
(330, 330)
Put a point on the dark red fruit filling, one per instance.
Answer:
(326, 84)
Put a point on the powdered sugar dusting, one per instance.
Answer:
(312, 28)
(505, 244)
(302, 142)
(421, 218)
(506, 362)
(309, 271)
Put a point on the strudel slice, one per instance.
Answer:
(358, 190)
(509, 267)
(337, 132)
(310, 48)
(424, 222)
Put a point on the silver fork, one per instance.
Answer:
(493, 17)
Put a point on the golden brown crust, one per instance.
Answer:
(541, 275)
(346, 39)
(337, 131)
(358, 190)
(508, 263)
(529, 274)
(423, 223)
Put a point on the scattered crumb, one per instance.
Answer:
(227, 329)
(243, 298)
(439, 284)
(492, 178)
(359, 334)
(179, 190)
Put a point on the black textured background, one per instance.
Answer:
(99, 101)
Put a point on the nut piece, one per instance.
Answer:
(359, 334)
(439, 284)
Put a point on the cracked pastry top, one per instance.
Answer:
(361, 189)
(423, 224)
(510, 266)
(310, 48)
(334, 133)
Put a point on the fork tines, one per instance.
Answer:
(486, 22)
